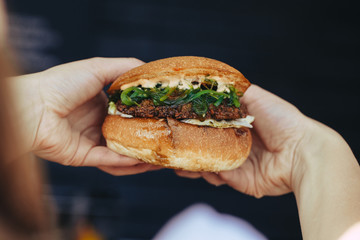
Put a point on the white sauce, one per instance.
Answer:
(113, 111)
(237, 123)
(181, 82)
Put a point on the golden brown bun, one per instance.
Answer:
(178, 145)
(187, 66)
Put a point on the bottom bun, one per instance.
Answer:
(173, 144)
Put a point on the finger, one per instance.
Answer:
(102, 156)
(155, 168)
(122, 171)
(261, 102)
(212, 178)
(241, 179)
(270, 110)
(70, 85)
(108, 69)
(255, 93)
(92, 113)
(188, 174)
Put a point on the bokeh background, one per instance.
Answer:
(306, 51)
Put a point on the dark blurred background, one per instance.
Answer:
(305, 51)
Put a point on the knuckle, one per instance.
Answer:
(136, 60)
(95, 59)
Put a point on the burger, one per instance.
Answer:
(182, 113)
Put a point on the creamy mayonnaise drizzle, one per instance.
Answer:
(180, 81)
(236, 123)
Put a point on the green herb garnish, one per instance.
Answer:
(200, 106)
(200, 98)
(128, 96)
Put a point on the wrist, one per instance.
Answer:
(28, 108)
(326, 183)
(319, 153)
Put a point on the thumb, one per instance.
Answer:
(106, 70)
(70, 85)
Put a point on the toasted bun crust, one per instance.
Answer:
(187, 66)
(177, 145)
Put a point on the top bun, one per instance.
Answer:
(169, 69)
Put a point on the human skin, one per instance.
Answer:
(3, 24)
(61, 111)
(293, 153)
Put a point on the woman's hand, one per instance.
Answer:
(294, 153)
(278, 131)
(62, 110)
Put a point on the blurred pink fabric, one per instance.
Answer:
(352, 233)
(201, 222)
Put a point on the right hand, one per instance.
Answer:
(278, 134)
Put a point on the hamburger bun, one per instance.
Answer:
(169, 142)
(168, 69)
(173, 144)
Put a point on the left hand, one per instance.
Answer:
(62, 110)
